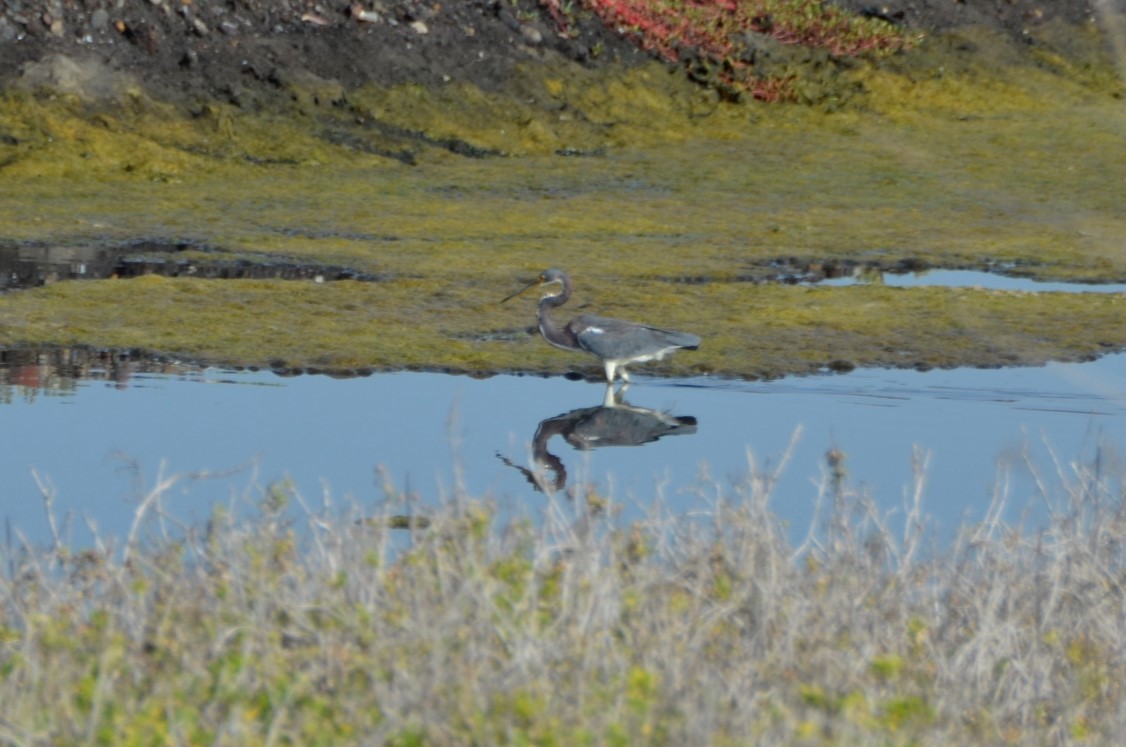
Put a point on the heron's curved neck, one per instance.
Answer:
(557, 335)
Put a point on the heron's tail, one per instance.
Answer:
(683, 340)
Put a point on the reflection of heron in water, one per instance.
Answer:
(613, 423)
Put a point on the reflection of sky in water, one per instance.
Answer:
(331, 434)
(976, 279)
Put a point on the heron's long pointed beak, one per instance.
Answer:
(525, 289)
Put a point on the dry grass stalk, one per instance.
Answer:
(565, 625)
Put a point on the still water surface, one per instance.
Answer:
(100, 445)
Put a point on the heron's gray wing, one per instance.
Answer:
(615, 339)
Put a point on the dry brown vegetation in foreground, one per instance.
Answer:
(561, 624)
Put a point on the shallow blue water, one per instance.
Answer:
(102, 445)
(975, 279)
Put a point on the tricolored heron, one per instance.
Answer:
(614, 342)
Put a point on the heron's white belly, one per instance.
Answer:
(654, 356)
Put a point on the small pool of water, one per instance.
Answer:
(970, 279)
(100, 444)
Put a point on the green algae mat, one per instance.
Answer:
(664, 205)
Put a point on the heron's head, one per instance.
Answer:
(547, 277)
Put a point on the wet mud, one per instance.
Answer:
(33, 264)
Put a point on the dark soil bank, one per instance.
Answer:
(243, 51)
